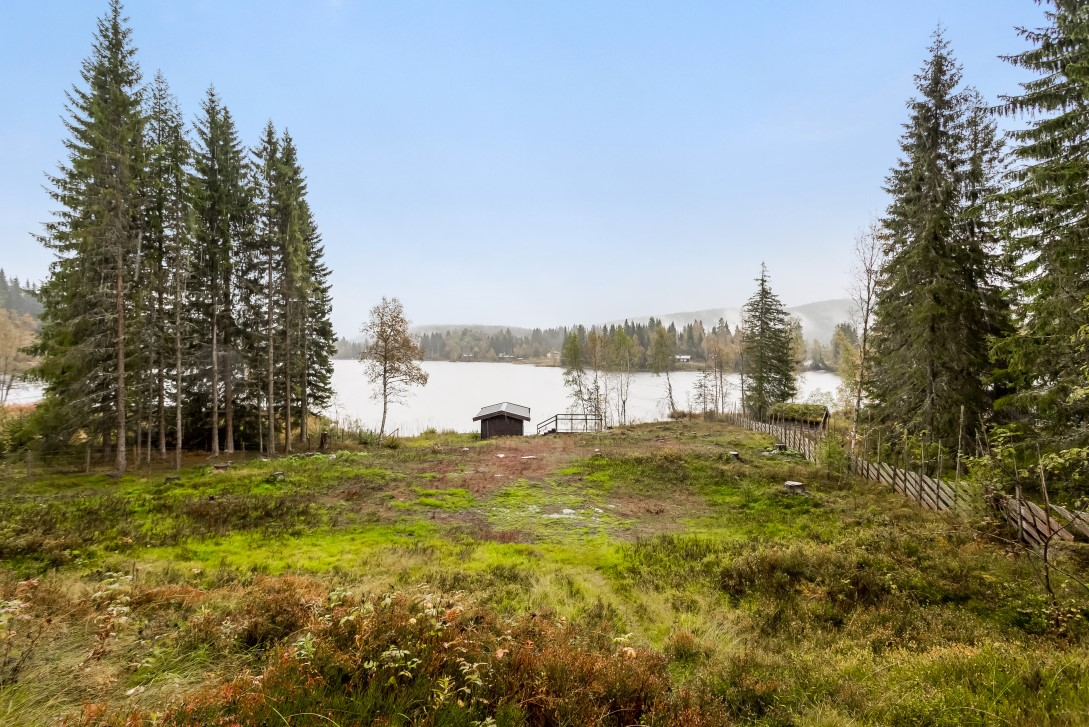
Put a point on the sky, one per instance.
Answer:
(535, 163)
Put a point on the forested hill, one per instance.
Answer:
(818, 323)
(819, 318)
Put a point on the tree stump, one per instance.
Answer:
(794, 488)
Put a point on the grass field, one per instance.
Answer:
(639, 576)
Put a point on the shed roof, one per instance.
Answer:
(504, 409)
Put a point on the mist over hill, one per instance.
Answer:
(818, 319)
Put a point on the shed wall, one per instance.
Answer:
(501, 426)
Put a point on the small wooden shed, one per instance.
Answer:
(502, 420)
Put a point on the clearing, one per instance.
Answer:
(634, 576)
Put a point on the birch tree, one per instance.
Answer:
(389, 356)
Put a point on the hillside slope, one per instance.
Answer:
(636, 576)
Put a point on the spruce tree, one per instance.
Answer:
(169, 243)
(294, 225)
(939, 303)
(224, 215)
(265, 265)
(768, 371)
(95, 236)
(1050, 222)
(318, 337)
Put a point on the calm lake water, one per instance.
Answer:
(457, 391)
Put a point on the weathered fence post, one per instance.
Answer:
(879, 458)
(960, 448)
(922, 471)
(919, 475)
(1020, 512)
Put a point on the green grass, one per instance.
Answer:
(453, 499)
(849, 605)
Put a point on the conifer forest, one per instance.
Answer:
(199, 527)
(188, 304)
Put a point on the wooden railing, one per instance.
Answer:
(570, 423)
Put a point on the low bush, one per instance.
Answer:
(428, 660)
(833, 456)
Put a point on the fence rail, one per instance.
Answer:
(1034, 525)
(570, 424)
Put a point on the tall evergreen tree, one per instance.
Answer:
(294, 225)
(224, 214)
(938, 302)
(1050, 221)
(768, 373)
(319, 339)
(95, 236)
(169, 243)
(265, 265)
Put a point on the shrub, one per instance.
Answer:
(428, 660)
(684, 647)
(833, 456)
(275, 609)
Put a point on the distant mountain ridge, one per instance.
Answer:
(819, 320)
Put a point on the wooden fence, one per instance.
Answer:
(793, 438)
(1033, 524)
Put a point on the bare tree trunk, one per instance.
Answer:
(177, 366)
(305, 403)
(119, 311)
(215, 383)
(162, 413)
(228, 398)
(869, 258)
(1050, 532)
(744, 404)
(287, 377)
(859, 382)
(271, 395)
(160, 357)
(385, 401)
(382, 427)
(138, 425)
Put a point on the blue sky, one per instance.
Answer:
(536, 163)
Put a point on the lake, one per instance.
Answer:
(457, 391)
